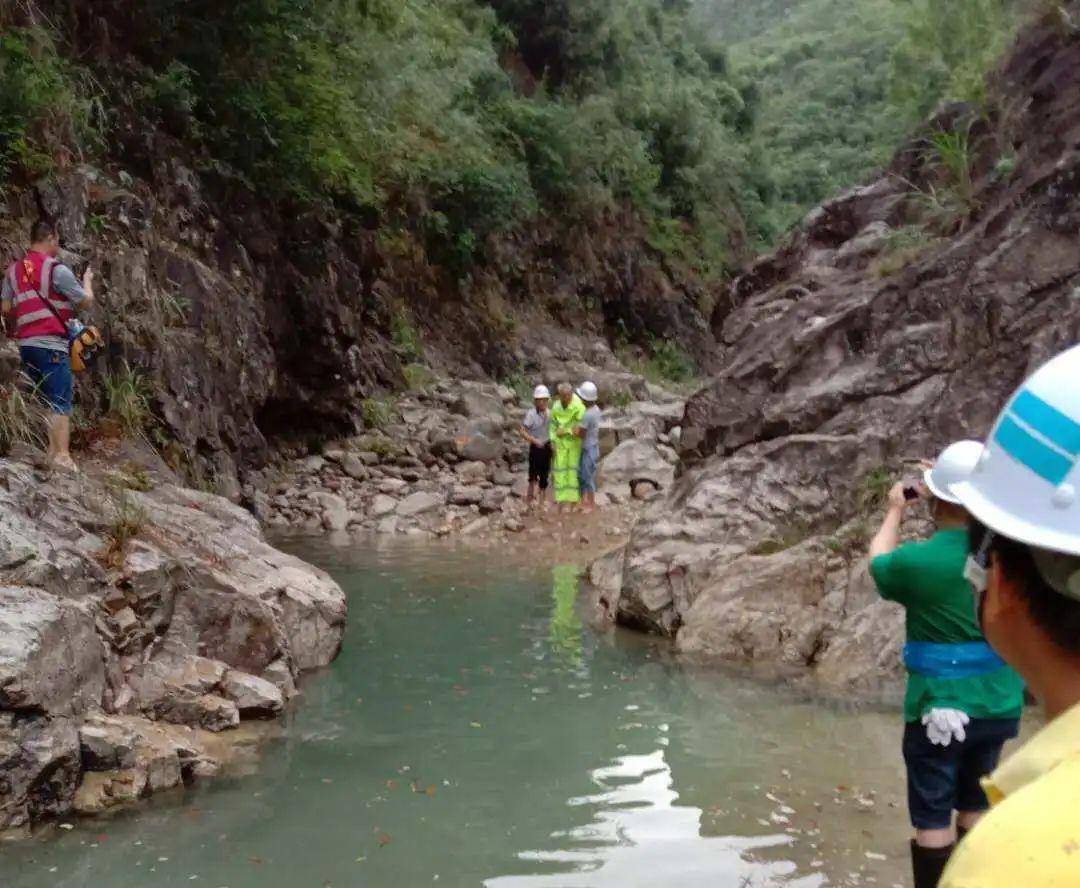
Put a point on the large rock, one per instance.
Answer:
(150, 627)
(840, 359)
(39, 768)
(637, 460)
(51, 659)
(382, 505)
(478, 404)
(254, 697)
(418, 503)
(466, 496)
(335, 511)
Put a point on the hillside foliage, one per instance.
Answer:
(448, 122)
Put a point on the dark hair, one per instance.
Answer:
(41, 230)
(1055, 614)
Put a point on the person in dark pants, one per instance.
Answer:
(535, 428)
(40, 296)
(962, 701)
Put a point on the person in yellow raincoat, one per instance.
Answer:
(566, 416)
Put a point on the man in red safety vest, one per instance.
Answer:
(39, 296)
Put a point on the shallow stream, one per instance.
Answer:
(475, 731)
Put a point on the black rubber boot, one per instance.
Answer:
(927, 864)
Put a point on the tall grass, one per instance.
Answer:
(22, 420)
(128, 401)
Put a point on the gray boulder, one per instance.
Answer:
(637, 460)
(419, 503)
(39, 768)
(51, 658)
(255, 697)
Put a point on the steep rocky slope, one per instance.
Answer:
(896, 319)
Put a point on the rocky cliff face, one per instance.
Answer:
(255, 323)
(136, 619)
(894, 321)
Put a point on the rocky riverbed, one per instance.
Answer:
(447, 459)
(138, 621)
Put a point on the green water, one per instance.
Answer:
(475, 731)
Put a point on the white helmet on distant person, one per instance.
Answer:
(956, 463)
(1026, 485)
(588, 392)
(541, 391)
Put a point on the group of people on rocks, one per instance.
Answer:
(564, 446)
(992, 602)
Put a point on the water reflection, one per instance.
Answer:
(639, 836)
(566, 625)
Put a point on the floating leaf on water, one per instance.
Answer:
(475, 725)
(874, 855)
(430, 791)
(391, 783)
(361, 859)
(383, 840)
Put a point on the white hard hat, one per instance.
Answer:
(956, 463)
(541, 391)
(588, 392)
(1026, 485)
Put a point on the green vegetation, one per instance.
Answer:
(661, 362)
(442, 124)
(127, 396)
(840, 83)
(22, 420)
(418, 376)
(901, 247)
(45, 109)
(126, 521)
(405, 336)
(874, 488)
(377, 413)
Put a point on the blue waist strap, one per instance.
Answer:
(961, 660)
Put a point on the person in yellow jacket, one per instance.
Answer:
(566, 416)
(1024, 568)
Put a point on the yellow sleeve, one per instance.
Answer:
(1031, 839)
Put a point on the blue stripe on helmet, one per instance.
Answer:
(1048, 421)
(1028, 450)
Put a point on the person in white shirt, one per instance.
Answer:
(535, 428)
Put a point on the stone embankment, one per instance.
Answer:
(138, 620)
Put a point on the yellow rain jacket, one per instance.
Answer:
(1031, 837)
(566, 448)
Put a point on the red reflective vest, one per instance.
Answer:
(31, 285)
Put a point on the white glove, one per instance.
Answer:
(943, 725)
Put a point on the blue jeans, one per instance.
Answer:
(50, 374)
(590, 458)
(943, 779)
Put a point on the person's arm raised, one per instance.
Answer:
(888, 536)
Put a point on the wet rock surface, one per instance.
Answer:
(842, 357)
(135, 616)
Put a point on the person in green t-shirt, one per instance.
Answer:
(962, 701)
